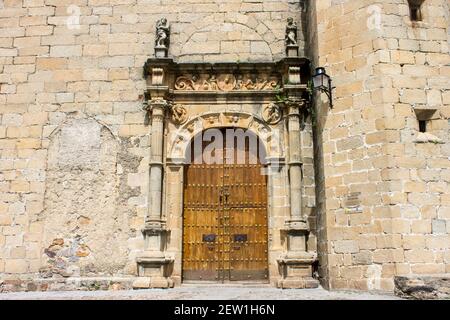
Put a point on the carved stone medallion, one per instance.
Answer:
(179, 114)
(272, 114)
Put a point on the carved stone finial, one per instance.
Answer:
(291, 38)
(162, 38)
(272, 114)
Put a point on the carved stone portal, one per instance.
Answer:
(224, 95)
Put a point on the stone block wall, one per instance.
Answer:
(383, 186)
(74, 142)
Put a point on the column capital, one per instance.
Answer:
(295, 105)
(157, 107)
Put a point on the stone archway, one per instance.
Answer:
(180, 138)
(271, 140)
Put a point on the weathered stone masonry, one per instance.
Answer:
(78, 152)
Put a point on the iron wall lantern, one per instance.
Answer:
(322, 83)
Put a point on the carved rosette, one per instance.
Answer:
(272, 114)
(178, 114)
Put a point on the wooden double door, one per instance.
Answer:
(225, 220)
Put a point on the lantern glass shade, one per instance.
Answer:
(321, 79)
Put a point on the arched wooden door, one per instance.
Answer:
(225, 213)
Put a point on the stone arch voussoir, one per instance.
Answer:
(179, 140)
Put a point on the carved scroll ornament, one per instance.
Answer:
(226, 82)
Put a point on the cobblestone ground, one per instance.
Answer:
(195, 292)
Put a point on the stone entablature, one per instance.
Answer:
(236, 78)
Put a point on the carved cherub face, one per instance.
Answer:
(290, 20)
(164, 21)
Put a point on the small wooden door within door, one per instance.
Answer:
(225, 221)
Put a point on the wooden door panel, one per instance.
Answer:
(248, 244)
(247, 207)
(201, 255)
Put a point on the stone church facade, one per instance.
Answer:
(101, 102)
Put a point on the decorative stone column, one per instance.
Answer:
(153, 264)
(296, 263)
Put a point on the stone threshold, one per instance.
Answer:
(233, 284)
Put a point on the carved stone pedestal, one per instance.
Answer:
(153, 273)
(296, 270)
(296, 264)
(161, 52)
(153, 265)
(292, 51)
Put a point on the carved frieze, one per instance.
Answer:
(226, 82)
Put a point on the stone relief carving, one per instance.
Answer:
(234, 118)
(291, 32)
(212, 119)
(272, 114)
(226, 82)
(179, 114)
